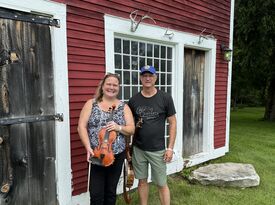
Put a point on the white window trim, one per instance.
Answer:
(60, 68)
(120, 26)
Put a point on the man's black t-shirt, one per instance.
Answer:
(153, 111)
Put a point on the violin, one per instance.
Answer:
(104, 152)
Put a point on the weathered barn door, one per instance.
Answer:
(27, 134)
(193, 102)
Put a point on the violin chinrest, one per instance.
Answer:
(96, 161)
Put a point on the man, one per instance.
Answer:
(151, 107)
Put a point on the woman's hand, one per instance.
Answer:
(90, 153)
(112, 126)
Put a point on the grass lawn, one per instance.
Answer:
(251, 141)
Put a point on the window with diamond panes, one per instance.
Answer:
(131, 54)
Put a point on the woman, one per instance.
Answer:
(93, 117)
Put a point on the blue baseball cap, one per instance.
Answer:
(147, 69)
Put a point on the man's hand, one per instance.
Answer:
(168, 155)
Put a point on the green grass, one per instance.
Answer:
(251, 141)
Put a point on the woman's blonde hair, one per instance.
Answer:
(99, 90)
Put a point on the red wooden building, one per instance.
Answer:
(184, 39)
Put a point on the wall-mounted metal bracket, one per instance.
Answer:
(168, 33)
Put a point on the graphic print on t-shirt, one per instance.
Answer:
(146, 112)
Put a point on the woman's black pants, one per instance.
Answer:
(104, 180)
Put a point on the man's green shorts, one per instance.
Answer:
(141, 160)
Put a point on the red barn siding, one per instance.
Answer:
(86, 54)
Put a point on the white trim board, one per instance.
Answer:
(60, 67)
(229, 81)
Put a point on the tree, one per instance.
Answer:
(254, 51)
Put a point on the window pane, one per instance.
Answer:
(167, 128)
(163, 52)
(117, 45)
(126, 77)
(169, 79)
(117, 61)
(169, 66)
(135, 78)
(141, 62)
(134, 90)
(169, 53)
(169, 90)
(126, 62)
(142, 49)
(126, 92)
(156, 64)
(126, 46)
(156, 50)
(134, 48)
(149, 61)
(162, 66)
(119, 72)
(120, 94)
(134, 63)
(149, 50)
(158, 79)
(162, 80)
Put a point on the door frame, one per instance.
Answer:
(117, 26)
(60, 69)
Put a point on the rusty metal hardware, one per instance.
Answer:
(13, 57)
(8, 57)
(29, 119)
(29, 17)
(5, 188)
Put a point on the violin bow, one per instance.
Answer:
(128, 177)
(89, 173)
(126, 195)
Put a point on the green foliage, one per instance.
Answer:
(254, 48)
(251, 141)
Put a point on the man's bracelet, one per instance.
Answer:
(170, 149)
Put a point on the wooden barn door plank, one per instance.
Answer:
(193, 102)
